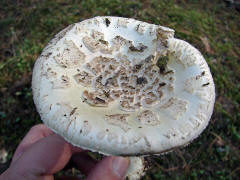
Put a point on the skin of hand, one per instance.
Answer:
(42, 153)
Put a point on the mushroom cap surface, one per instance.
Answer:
(119, 86)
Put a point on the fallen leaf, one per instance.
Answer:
(206, 43)
(3, 156)
(220, 142)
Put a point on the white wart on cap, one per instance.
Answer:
(119, 86)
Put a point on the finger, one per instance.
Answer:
(83, 162)
(45, 157)
(68, 178)
(110, 168)
(36, 133)
(76, 149)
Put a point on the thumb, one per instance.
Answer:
(110, 168)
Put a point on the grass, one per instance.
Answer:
(26, 26)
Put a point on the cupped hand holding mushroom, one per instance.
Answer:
(119, 86)
(43, 153)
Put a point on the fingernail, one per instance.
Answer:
(120, 165)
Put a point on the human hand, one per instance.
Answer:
(42, 153)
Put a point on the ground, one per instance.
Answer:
(213, 27)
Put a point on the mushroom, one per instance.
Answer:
(119, 86)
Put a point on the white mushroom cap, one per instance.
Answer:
(97, 85)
